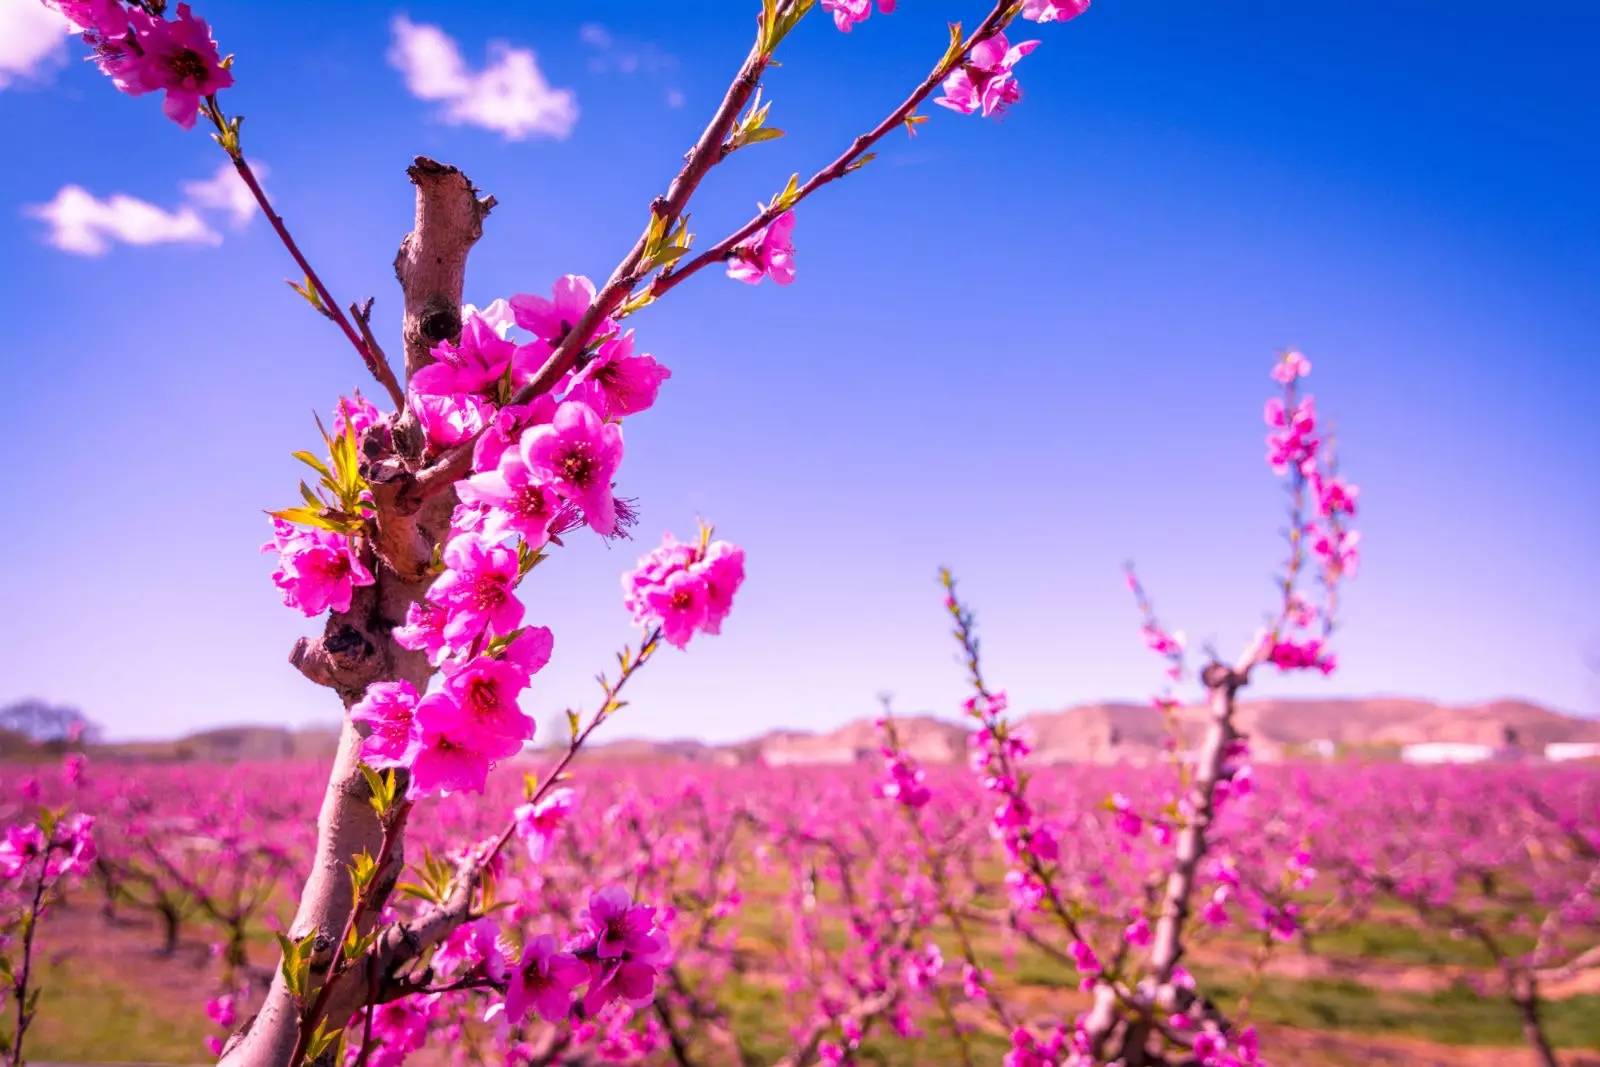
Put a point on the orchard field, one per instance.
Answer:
(437, 892)
(782, 889)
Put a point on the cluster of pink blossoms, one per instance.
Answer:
(144, 53)
(905, 782)
(767, 253)
(539, 470)
(1295, 450)
(684, 588)
(1028, 842)
(318, 570)
(28, 851)
(618, 957)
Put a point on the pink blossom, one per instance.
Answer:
(477, 589)
(530, 650)
(616, 382)
(544, 980)
(723, 568)
(22, 846)
(627, 948)
(506, 427)
(1126, 819)
(1053, 10)
(388, 708)
(550, 320)
(1338, 550)
(448, 419)
(1137, 932)
(767, 252)
(178, 58)
(355, 413)
(684, 589)
(472, 365)
(444, 755)
(221, 1010)
(516, 498)
(1302, 655)
(537, 823)
(317, 569)
(100, 17)
(424, 631)
(578, 452)
(1290, 366)
(72, 766)
(985, 82)
(679, 604)
(1334, 495)
(498, 315)
(847, 13)
(484, 693)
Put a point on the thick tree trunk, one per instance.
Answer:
(356, 648)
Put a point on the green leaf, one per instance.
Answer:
(859, 163)
(321, 518)
(765, 133)
(314, 463)
(322, 1039)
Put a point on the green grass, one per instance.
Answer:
(85, 1016)
(1400, 943)
(1454, 1016)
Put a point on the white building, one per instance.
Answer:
(1447, 752)
(1561, 751)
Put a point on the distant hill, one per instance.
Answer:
(1094, 733)
(231, 743)
(1119, 732)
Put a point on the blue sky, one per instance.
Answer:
(1030, 349)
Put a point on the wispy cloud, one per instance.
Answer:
(509, 95)
(614, 55)
(33, 39)
(84, 225)
(226, 192)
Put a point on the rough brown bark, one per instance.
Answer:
(357, 647)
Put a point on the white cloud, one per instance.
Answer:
(510, 94)
(675, 98)
(624, 56)
(33, 38)
(86, 226)
(225, 191)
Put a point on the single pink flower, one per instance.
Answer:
(537, 823)
(449, 419)
(680, 605)
(21, 847)
(178, 58)
(388, 708)
(357, 414)
(317, 569)
(847, 13)
(551, 320)
(723, 569)
(616, 382)
(477, 589)
(579, 453)
(484, 693)
(985, 81)
(769, 252)
(424, 631)
(472, 365)
(105, 18)
(516, 499)
(530, 650)
(1053, 10)
(444, 757)
(543, 980)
